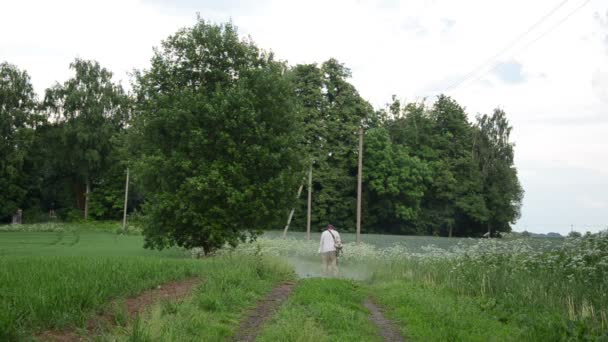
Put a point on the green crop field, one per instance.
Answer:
(434, 289)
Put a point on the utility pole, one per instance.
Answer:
(124, 214)
(359, 184)
(309, 202)
(292, 211)
(86, 200)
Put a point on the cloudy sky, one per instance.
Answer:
(552, 80)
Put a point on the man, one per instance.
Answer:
(329, 249)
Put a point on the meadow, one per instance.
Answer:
(474, 289)
(55, 276)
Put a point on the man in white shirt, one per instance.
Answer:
(330, 239)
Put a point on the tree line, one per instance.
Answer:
(219, 135)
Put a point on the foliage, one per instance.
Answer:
(90, 110)
(223, 134)
(216, 134)
(469, 182)
(332, 111)
(18, 119)
(502, 191)
(396, 182)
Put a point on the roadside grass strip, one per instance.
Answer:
(232, 285)
(430, 313)
(322, 310)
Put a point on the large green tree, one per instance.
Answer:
(494, 152)
(442, 137)
(395, 183)
(217, 133)
(17, 122)
(89, 109)
(332, 112)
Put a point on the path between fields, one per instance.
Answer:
(252, 324)
(387, 329)
(172, 291)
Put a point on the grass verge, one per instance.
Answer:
(322, 310)
(429, 313)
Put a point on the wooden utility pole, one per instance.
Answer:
(86, 200)
(359, 185)
(309, 202)
(292, 211)
(124, 214)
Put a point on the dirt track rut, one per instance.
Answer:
(266, 308)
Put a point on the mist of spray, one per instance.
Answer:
(311, 267)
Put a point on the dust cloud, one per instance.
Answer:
(311, 267)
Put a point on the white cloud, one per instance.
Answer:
(410, 48)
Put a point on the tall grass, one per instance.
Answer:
(213, 312)
(552, 289)
(44, 292)
(552, 294)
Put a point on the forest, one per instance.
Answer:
(219, 134)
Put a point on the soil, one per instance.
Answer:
(133, 306)
(266, 308)
(387, 329)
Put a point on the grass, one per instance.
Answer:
(57, 279)
(75, 239)
(54, 276)
(77, 243)
(215, 309)
(430, 313)
(56, 292)
(322, 310)
(545, 304)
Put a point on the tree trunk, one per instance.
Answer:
(124, 212)
(450, 231)
(292, 211)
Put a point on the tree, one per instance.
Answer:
(90, 109)
(17, 121)
(217, 134)
(396, 183)
(332, 112)
(494, 152)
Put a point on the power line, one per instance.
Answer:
(497, 64)
(507, 47)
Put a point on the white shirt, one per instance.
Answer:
(327, 242)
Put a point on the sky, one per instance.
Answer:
(552, 80)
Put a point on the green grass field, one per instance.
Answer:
(434, 289)
(58, 279)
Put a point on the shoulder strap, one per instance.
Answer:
(332, 235)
